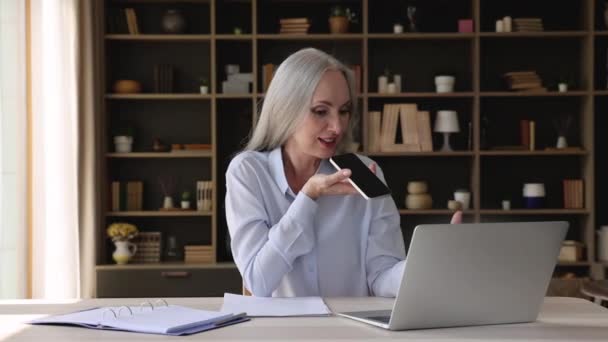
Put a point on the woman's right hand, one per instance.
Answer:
(334, 184)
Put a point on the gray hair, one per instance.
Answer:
(289, 95)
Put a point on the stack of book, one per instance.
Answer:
(573, 194)
(415, 129)
(524, 81)
(127, 196)
(528, 24)
(294, 25)
(199, 254)
(148, 247)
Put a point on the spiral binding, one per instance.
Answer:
(117, 312)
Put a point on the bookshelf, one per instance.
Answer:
(574, 42)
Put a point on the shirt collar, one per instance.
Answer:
(277, 169)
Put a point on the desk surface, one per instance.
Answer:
(562, 319)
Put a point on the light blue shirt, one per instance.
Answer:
(288, 245)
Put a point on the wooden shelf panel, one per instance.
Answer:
(420, 94)
(574, 264)
(192, 154)
(160, 37)
(192, 96)
(159, 1)
(533, 94)
(432, 212)
(166, 266)
(234, 96)
(310, 36)
(534, 212)
(244, 37)
(535, 153)
(422, 154)
(412, 36)
(159, 213)
(543, 34)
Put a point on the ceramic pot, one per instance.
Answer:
(173, 22)
(124, 251)
(418, 201)
(338, 24)
(123, 143)
(127, 87)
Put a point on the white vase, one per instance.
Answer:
(204, 89)
(185, 204)
(123, 143)
(168, 202)
(561, 142)
(123, 252)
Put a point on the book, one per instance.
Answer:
(147, 318)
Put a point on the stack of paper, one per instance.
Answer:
(274, 307)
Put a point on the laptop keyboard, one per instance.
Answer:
(383, 319)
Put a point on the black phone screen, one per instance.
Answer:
(362, 178)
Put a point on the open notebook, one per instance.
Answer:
(151, 319)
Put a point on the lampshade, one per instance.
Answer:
(447, 121)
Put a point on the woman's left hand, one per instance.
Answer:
(457, 217)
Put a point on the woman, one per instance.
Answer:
(298, 228)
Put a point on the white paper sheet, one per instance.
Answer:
(275, 307)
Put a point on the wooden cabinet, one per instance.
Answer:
(572, 46)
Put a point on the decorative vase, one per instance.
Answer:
(338, 24)
(124, 251)
(123, 143)
(168, 202)
(561, 142)
(173, 22)
(185, 204)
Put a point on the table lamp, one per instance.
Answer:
(446, 122)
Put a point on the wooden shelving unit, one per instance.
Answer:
(572, 43)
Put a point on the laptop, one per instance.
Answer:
(472, 274)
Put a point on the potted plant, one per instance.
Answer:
(186, 200)
(339, 19)
(204, 85)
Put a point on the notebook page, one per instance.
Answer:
(274, 307)
(164, 319)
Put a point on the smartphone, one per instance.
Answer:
(362, 178)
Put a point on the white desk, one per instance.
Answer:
(561, 319)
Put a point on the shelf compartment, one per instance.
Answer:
(530, 54)
(570, 93)
(150, 13)
(232, 14)
(270, 12)
(570, 15)
(433, 16)
(137, 60)
(419, 61)
(161, 213)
